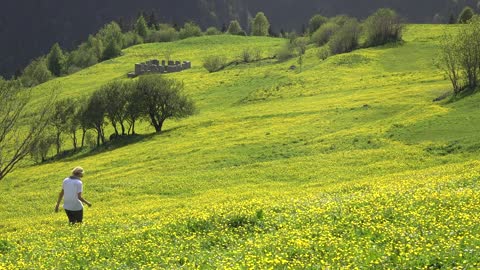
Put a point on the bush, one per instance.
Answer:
(323, 34)
(211, 31)
(466, 14)
(315, 23)
(383, 27)
(250, 54)
(166, 34)
(235, 29)
(214, 63)
(346, 38)
(285, 52)
(132, 38)
(190, 30)
(323, 52)
(36, 73)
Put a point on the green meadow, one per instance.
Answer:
(346, 163)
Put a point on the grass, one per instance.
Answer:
(346, 164)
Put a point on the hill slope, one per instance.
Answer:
(347, 163)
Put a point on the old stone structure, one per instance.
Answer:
(155, 66)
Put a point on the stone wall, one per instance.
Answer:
(155, 66)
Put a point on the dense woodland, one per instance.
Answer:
(32, 27)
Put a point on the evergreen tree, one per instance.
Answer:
(56, 60)
(260, 25)
(141, 27)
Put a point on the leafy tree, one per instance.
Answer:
(115, 104)
(94, 115)
(36, 73)
(466, 14)
(163, 99)
(234, 28)
(382, 27)
(190, 29)
(315, 22)
(59, 119)
(19, 130)
(324, 33)
(346, 38)
(134, 107)
(40, 148)
(141, 27)
(260, 25)
(112, 37)
(56, 60)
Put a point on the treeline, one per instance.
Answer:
(460, 56)
(120, 104)
(342, 34)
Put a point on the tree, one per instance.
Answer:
(162, 99)
(234, 28)
(133, 110)
(19, 128)
(152, 21)
(315, 22)
(115, 104)
(448, 61)
(466, 14)
(56, 60)
(112, 37)
(94, 115)
(40, 148)
(346, 38)
(211, 31)
(260, 25)
(382, 27)
(141, 27)
(324, 33)
(59, 119)
(36, 73)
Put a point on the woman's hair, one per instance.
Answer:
(77, 171)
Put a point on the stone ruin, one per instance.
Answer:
(155, 66)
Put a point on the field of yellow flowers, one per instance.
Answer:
(347, 164)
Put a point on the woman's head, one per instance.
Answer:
(78, 171)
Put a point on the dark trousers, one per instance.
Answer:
(74, 216)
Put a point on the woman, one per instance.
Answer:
(72, 189)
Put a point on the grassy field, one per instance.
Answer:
(347, 164)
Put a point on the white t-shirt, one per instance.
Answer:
(71, 188)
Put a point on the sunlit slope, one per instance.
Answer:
(346, 163)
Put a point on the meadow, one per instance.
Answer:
(347, 164)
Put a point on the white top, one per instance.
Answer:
(71, 188)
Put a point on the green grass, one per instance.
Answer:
(346, 164)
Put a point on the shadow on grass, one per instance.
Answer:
(463, 94)
(118, 142)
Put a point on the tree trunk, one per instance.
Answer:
(84, 132)
(123, 128)
(74, 139)
(57, 142)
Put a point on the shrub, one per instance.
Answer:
(285, 52)
(211, 31)
(323, 34)
(214, 63)
(235, 29)
(36, 73)
(466, 14)
(190, 30)
(166, 33)
(346, 38)
(132, 38)
(315, 23)
(323, 52)
(382, 27)
(250, 54)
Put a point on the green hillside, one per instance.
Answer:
(346, 164)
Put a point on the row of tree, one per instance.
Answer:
(153, 98)
(112, 38)
(460, 56)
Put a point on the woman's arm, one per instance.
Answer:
(60, 197)
(83, 200)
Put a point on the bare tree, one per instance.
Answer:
(20, 126)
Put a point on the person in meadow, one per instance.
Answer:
(72, 189)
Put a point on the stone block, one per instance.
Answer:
(171, 63)
(138, 68)
(161, 69)
(155, 62)
(163, 63)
